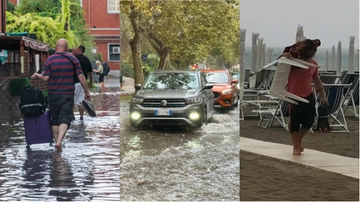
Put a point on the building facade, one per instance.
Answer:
(103, 20)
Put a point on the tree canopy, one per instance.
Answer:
(50, 20)
(183, 32)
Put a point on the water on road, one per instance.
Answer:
(86, 170)
(180, 164)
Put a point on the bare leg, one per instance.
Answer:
(303, 132)
(81, 111)
(61, 134)
(295, 140)
(102, 86)
(55, 130)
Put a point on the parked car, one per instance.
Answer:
(226, 93)
(172, 98)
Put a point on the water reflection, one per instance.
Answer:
(37, 168)
(61, 178)
(86, 170)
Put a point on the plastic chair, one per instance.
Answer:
(269, 115)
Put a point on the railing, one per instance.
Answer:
(10, 70)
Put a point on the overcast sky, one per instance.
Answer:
(276, 21)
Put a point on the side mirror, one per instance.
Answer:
(208, 86)
(137, 87)
(234, 82)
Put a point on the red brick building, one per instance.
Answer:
(103, 20)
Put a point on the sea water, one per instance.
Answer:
(320, 57)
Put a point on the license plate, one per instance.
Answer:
(163, 112)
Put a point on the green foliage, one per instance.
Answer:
(45, 28)
(45, 94)
(39, 6)
(194, 30)
(18, 85)
(9, 6)
(152, 63)
(126, 69)
(47, 18)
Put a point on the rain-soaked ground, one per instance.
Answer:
(86, 170)
(166, 164)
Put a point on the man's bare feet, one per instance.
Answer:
(296, 152)
(58, 147)
(301, 148)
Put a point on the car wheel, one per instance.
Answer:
(205, 119)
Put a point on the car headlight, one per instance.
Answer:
(193, 100)
(194, 115)
(224, 92)
(135, 100)
(135, 116)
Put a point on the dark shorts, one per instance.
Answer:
(101, 78)
(302, 114)
(60, 106)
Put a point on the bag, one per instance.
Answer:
(106, 69)
(72, 63)
(323, 119)
(32, 102)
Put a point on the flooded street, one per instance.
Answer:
(86, 170)
(180, 164)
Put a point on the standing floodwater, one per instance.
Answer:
(174, 163)
(86, 170)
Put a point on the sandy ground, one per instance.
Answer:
(267, 179)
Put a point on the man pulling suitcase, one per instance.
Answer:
(59, 72)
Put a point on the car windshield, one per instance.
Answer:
(172, 80)
(217, 77)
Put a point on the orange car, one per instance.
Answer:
(225, 91)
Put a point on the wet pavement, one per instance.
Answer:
(181, 164)
(86, 170)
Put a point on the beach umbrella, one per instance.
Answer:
(351, 54)
(252, 80)
(327, 61)
(259, 54)
(299, 34)
(338, 59)
(333, 57)
(263, 55)
(258, 62)
(269, 54)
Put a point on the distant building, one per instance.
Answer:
(103, 20)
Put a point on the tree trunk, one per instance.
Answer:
(135, 48)
(164, 58)
(161, 50)
(138, 72)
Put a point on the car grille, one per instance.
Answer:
(160, 103)
(216, 95)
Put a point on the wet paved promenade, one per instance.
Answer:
(86, 170)
(330, 162)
